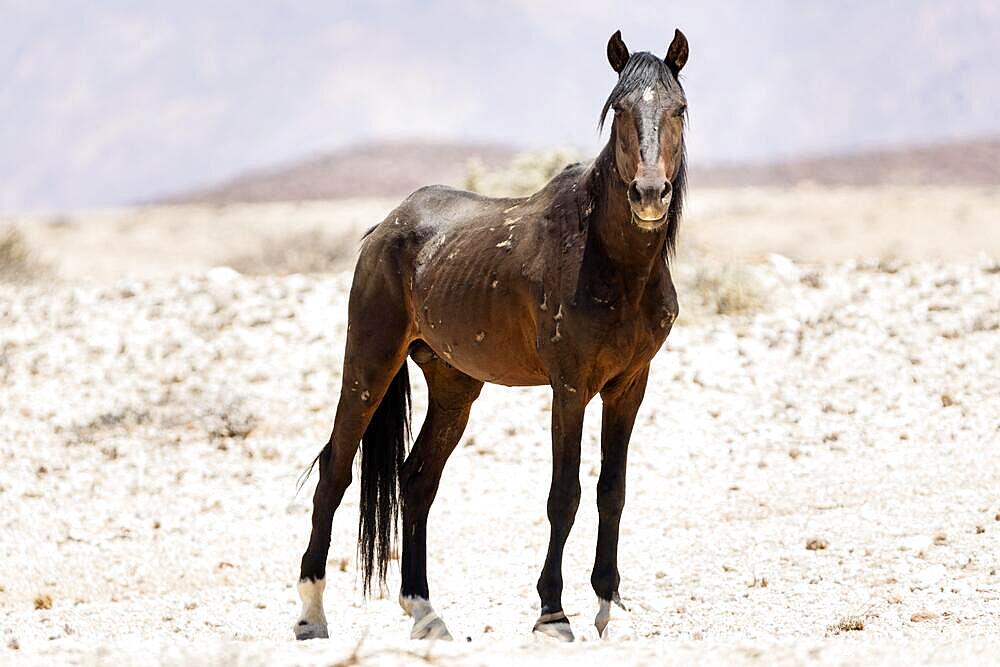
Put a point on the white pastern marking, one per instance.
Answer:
(311, 593)
(603, 615)
(426, 623)
(613, 621)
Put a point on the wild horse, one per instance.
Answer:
(569, 287)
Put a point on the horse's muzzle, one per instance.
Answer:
(649, 199)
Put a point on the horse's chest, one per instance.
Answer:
(631, 341)
(617, 338)
(629, 331)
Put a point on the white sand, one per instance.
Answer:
(863, 412)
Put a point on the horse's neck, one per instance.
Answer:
(634, 254)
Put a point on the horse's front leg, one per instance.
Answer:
(621, 403)
(564, 498)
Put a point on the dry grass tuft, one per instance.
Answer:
(923, 616)
(306, 252)
(229, 419)
(727, 289)
(43, 601)
(17, 262)
(526, 174)
(816, 544)
(847, 624)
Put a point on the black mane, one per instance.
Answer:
(676, 210)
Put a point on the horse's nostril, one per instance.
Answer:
(633, 193)
(666, 190)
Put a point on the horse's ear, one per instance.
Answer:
(617, 52)
(677, 54)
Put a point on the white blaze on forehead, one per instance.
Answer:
(647, 95)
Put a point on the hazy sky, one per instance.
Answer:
(113, 102)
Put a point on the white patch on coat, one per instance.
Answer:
(427, 254)
(647, 95)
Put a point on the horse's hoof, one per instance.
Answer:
(305, 631)
(554, 625)
(614, 623)
(430, 627)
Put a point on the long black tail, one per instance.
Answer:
(383, 449)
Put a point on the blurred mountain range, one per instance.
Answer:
(391, 169)
(116, 102)
(394, 169)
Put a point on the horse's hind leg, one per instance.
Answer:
(377, 340)
(450, 397)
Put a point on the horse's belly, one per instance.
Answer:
(500, 363)
(485, 335)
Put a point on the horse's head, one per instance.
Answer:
(648, 129)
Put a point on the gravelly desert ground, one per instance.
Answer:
(151, 434)
(829, 463)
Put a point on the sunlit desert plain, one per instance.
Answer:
(814, 474)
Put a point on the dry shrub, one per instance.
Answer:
(847, 624)
(17, 262)
(817, 544)
(723, 289)
(923, 616)
(43, 601)
(527, 173)
(229, 418)
(118, 420)
(307, 252)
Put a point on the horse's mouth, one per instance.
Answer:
(646, 224)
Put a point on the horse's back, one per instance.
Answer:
(437, 206)
(428, 218)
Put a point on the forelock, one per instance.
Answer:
(643, 69)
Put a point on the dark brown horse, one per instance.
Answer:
(569, 287)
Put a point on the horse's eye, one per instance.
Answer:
(681, 111)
